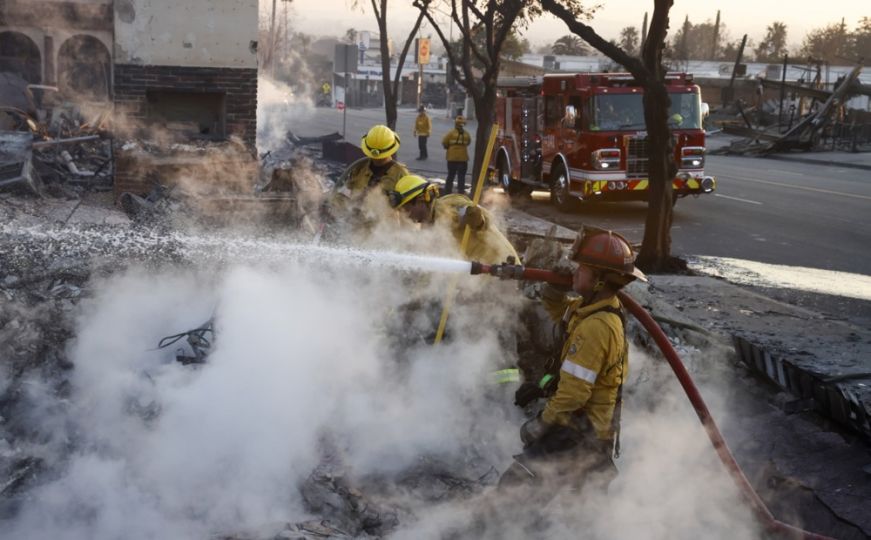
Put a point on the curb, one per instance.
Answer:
(865, 167)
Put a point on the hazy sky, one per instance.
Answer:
(333, 17)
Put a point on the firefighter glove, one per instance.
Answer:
(530, 391)
(527, 393)
(472, 216)
(533, 430)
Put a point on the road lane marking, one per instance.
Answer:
(736, 199)
(805, 188)
(790, 172)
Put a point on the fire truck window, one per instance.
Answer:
(553, 112)
(572, 117)
(685, 111)
(613, 112)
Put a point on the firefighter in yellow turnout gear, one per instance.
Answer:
(456, 143)
(358, 198)
(422, 130)
(574, 437)
(420, 200)
(378, 167)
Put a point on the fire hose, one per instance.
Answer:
(772, 525)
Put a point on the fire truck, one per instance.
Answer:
(582, 137)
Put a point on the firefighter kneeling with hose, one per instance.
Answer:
(576, 435)
(420, 200)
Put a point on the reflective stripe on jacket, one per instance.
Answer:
(594, 365)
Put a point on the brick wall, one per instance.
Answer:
(133, 172)
(238, 85)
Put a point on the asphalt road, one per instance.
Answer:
(772, 211)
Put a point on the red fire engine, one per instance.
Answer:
(582, 136)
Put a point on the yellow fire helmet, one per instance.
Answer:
(411, 187)
(380, 142)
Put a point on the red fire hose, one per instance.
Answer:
(511, 271)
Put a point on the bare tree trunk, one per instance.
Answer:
(391, 88)
(655, 255)
(656, 247)
(485, 107)
(389, 96)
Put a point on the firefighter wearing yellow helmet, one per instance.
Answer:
(456, 143)
(420, 200)
(577, 433)
(378, 168)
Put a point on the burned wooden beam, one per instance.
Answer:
(803, 135)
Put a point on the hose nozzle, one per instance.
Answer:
(511, 270)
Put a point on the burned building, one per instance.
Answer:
(190, 63)
(187, 70)
(62, 43)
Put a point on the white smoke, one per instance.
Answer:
(298, 354)
(303, 353)
(279, 108)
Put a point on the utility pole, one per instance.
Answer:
(643, 33)
(345, 107)
(448, 75)
(272, 41)
(782, 93)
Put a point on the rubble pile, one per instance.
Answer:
(812, 119)
(52, 146)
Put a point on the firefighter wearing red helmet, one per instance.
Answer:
(576, 433)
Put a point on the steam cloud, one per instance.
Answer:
(303, 353)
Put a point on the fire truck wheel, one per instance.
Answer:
(503, 175)
(559, 190)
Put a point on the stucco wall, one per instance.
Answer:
(192, 33)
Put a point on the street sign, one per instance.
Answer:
(422, 46)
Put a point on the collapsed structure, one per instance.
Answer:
(166, 76)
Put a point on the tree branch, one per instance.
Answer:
(652, 53)
(423, 6)
(375, 9)
(585, 32)
(466, 30)
(401, 61)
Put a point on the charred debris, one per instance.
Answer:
(797, 116)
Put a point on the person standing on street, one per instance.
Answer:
(456, 144)
(422, 130)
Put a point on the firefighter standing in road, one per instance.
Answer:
(456, 143)
(422, 130)
(421, 202)
(574, 437)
